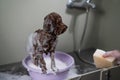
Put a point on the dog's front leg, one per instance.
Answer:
(53, 65)
(42, 63)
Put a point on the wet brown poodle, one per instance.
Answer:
(45, 40)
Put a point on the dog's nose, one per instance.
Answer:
(64, 29)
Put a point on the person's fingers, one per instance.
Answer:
(108, 54)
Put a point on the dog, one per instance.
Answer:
(45, 40)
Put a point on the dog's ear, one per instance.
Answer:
(60, 29)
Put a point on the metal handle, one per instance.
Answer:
(80, 4)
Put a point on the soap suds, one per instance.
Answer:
(5, 76)
(59, 64)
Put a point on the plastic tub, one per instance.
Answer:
(36, 74)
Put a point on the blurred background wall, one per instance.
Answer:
(19, 18)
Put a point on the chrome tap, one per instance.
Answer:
(81, 4)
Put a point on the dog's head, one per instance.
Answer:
(53, 24)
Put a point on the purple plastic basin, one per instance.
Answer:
(36, 74)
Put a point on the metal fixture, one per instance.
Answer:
(82, 5)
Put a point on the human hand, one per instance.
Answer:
(113, 53)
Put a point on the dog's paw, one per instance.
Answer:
(55, 69)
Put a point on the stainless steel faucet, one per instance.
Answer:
(80, 4)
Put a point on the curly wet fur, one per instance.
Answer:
(45, 40)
